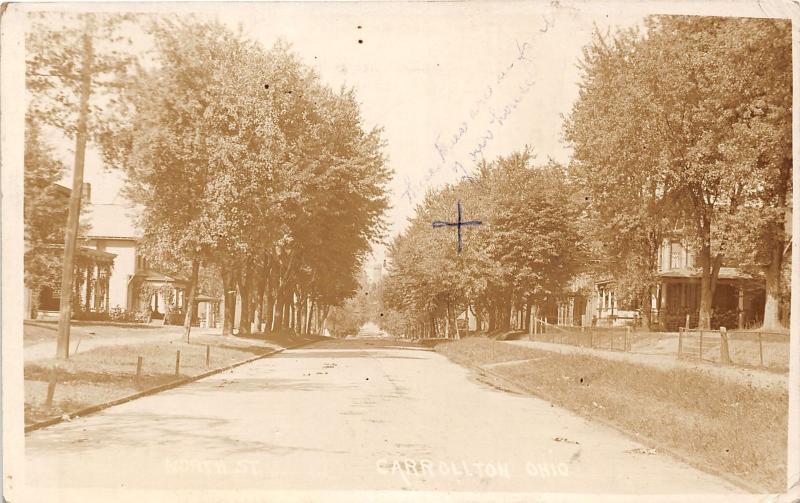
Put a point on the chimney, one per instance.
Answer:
(86, 194)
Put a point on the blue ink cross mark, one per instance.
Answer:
(459, 224)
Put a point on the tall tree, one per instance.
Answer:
(664, 126)
(628, 200)
(64, 71)
(526, 248)
(242, 159)
(44, 211)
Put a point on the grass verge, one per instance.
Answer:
(107, 373)
(716, 425)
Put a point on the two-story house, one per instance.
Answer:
(738, 299)
(119, 276)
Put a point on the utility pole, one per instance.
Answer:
(73, 217)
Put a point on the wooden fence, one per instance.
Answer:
(752, 348)
(610, 338)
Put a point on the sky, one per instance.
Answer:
(449, 83)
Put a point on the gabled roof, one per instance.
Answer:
(112, 221)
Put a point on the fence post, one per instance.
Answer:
(627, 338)
(178, 362)
(724, 354)
(208, 356)
(680, 341)
(139, 361)
(687, 321)
(760, 350)
(51, 388)
(701, 344)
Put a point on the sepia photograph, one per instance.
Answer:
(399, 251)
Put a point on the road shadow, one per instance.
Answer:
(342, 353)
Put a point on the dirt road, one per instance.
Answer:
(350, 415)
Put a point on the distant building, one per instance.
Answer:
(124, 280)
(738, 298)
(377, 272)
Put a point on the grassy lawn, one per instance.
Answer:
(108, 372)
(37, 332)
(716, 424)
(744, 348)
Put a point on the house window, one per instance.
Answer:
(676, 254)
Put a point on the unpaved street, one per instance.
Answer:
(353, 414)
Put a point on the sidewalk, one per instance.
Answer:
(739, 375)
(86, 338)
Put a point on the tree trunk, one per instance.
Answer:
(478, 318)
(310, 316)
(258, 318)
(525, 312)
(298, 314)
(708, 282)
(506, 317)
(277, 323)
(324, 324)
(270, 311)
(772, 286)
(229, 313)
(455, 322)
(73, 216)
(774, 269)
(187, 322)
(246, 315)
(287, 314)
(447, 321)
(645, 308)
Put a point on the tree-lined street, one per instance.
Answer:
(497, 258)
(354, 414)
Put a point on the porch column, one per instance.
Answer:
(107, 282)
(662, 308)
(87, 301)
(602, 304)
(77, 301)
(97, 287)
(611, 301)
(571, 311)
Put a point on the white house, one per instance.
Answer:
(112, 230)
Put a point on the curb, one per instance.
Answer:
(733, 479)
(151, 391)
